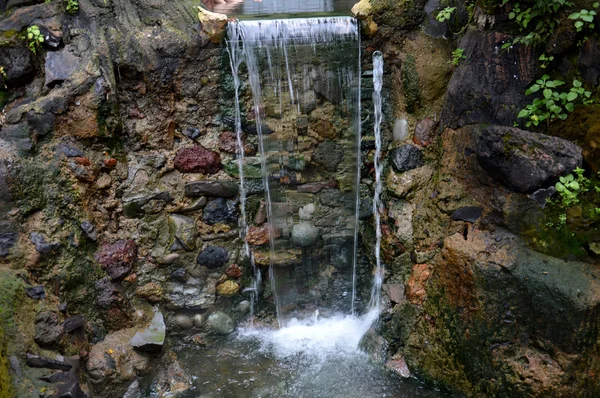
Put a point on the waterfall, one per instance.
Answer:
(304, 76)
(377, 207)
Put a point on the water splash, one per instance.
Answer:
(377, 206)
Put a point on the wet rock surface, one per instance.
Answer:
(406, 158)
(117, 258)
(197, 160)
(213, 257)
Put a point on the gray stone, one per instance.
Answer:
(406, 157)
(542, 196)
(183, 322)
(41, 245)
(198, 320)
(213, 257)
(36, 361)
(220, 323)
(220, 211)
(90, 230)
(191, 132)
(183, 230)
(60, 66)
(305, 234)
(7, 241)
(180, 274)
(309, 101)
(243, 307)
(73, 322)
(170, 258)
(47, 328)
(468, 214)
(36, 292)
(329, 155)
(19, 136)
(225, 189)
(133, 391)
(197, 205)
(17, 63)
(153, 337)
(400, 132)
(525, 161)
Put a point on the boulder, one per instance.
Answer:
(213, 257)
(406, 157)
(213, 24)
(220, 323)
(60, 65)
(525, 161)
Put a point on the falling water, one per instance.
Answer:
(377, 207)
(286, 61)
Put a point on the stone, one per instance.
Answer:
(425, 132)
(198, 320)
(213, 257)
(36, 292)
(197, 205)
(595, 248)
(70, 389)
(225, 189)
(172, 381)
(313, 187)
(153, 337)
(258, 236)
(60, 66)
(183, 322)
(228, 288)
(329, 155)
(220, 211)
(525, 161)
(70, 151)
(134, 390)
(41, 245)
(197, 159)
(107, 293)
(7, 241)
(183, 230)
(170, 259)
(151, 291)
(90, 230)
(243, 307)
(307, 212)
(117, 258)
(399, 367)
(402, 214)
(261, 214)
(73, 323)
(48, 330)
(416, 292)
(233, 271)
(305, 234)
(17, 63)
(220, 323)
(402, 185)
(468, 214)
(406, 157)
(36, 361)
(309, 101)
(543, 195)
(179, 274)
(213, 24)
(19, 136)
(400, 130)
(489, 85)
(228, 143)
(395, 292)
(191, 132)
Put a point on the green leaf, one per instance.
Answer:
(547, 93)
(523, 113)
(576, 83)
(572, 96)
(558, 83)
(575, 15)
(596, 5)
(534, 89)
(570, 107)
(560, 187)
(587, 18)
(575, 185)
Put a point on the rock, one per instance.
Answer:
(133, 391)
(234, 271)
(406, 157)
(213, 24)
(313, 187)
(395, 292)
(595, 248)
(150, 291)
(170, 259)
(220, 323)
(60, 66)
(220, 211)
(400, 130)
(198, 320)
(525, 161)
(363, 11)
(228, 143)
(415, 287)
(17, 63)
(225, 189)
(197, 160)
(329, 155)
(197, 205)
(153, 337)
(70, 389)
(258, 236)
(588, 62)
(73, 323)
(90, 230)
(404, 184)
(58, 377)
(468, 214)
(243, 307)
(399, 367)
(425, 132)
(36, 292)
(117, 258)
(183, 230)
(41, 246)
(261, 214)
(139, 206)
(7, 241)
(305, 234)
(172, 381)
(228, 288)
(489, 85)
(183, 322)
(107, 293)
(307, 212)
(309, 101)
(191, 132)
(70, 151)
(213, 257)
(48, 331)
(36, 361)
(180, 274)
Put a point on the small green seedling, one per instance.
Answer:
(445, 14)
(34, 38)
(584, 17)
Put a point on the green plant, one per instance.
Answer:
(445, 14)
(457, 56)
(34, 38)
(584, 16)
(72, 6)
(553, 104)
(569, 187)
(545, 60)
(536, 20)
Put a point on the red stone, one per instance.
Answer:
(425, 132)
(234, 272)
(197, 160)
(117, 258)
(228, 143)
(110, 163)
(258, 236)
(83, 161)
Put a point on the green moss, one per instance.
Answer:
(398, 15)
(410, 84)
(5, 380)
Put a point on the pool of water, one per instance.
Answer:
(266, 8)
(318, 358)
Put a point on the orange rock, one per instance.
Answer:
(83, 161)
(415, 289)
(110, 162)
(258, 236)
(234, 272)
